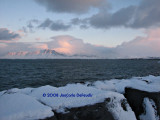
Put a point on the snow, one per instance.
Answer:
(2, 92)
(15, 90)
(149, 83)
(17, 106)
(150, 112)
(29, 103)
(114, 106)
(60, 103)
(107, 85)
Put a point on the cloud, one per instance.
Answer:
(3, 45)
(31, 25)
(70, 6)
(38, 38)
(140, 47)
(144, 15)
(77, 21)
(105, 20)
(147, 14)
(15, 47)
(148, 46)
(63, 44)
(39, 46)
(54, 25)
(7, 35)
(71, 45)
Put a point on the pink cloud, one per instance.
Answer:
(71, 45)
(39, 46)
(38, 38)
(142, 46)
(3, 45)
(64, 44)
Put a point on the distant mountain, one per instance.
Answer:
(46, 53)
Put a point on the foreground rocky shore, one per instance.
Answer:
(137, 98)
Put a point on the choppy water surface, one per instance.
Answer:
(34, 73)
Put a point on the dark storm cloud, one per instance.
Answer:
(144, 15)
(54, 25)
(70, 6)
(104, 19)
(5, 34)
(147, 14)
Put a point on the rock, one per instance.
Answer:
(102, 105)
(136, 97)
(50, 118)
(110, 109)
(150, 112)
(93, 112)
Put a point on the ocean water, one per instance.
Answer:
(35, 73)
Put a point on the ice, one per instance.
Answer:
(150, 112)
(17, 106)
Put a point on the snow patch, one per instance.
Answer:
(150, 110)
(60, 103)
(120, 109)
(106, 85)
(149, 83)
(17, 106)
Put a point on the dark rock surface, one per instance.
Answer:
(98, 111)
(92, 112)
(101, 111)
(135, 99)
(50, 118)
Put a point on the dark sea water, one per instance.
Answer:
(35, 73)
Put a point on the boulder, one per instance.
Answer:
(136, 100)
(92, 112)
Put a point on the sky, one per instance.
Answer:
(105, 28)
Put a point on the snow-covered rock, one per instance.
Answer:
(111, 99)
(137, 100)
(60, 104)
(74, 96)
(17, 106)
(150, 110)
(149, 83)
